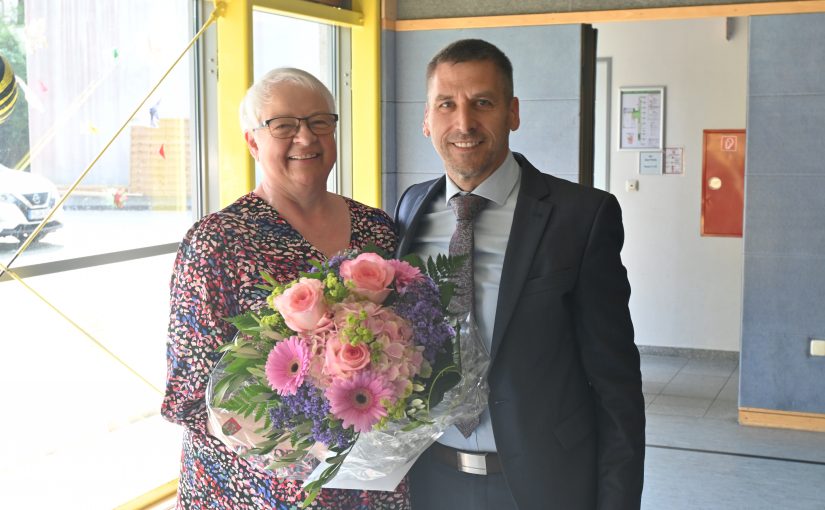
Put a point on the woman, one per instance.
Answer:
(288, 219)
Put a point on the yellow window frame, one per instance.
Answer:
(236, 172)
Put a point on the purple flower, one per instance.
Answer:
(420, 304)
(309, 405)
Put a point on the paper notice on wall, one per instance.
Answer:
(674, 162)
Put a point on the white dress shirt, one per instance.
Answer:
(491, 232)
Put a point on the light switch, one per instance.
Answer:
(631, 185)
(817, 347)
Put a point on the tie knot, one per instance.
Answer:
(466, 207)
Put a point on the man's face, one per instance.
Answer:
(470, 119)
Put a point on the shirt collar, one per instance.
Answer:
(496, 187)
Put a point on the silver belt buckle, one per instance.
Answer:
(472, 463)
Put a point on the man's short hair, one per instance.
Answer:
(474, 50)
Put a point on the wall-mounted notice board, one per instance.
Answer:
(641, 118)
(723, 182)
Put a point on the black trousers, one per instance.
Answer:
(436, 486)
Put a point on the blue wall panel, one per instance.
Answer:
(784, 280)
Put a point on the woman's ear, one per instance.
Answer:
(251, 143)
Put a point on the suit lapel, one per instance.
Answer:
(529, 222)
(410, 216)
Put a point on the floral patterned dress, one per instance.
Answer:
(217, 268)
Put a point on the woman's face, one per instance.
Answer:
(300, 163)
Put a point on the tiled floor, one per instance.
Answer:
(699, 457)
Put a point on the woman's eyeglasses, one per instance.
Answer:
(287, 127)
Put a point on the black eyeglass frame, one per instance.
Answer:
(265, 124)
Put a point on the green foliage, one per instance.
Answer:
(253, 400)
(314, 488)
(372, 248)
(246, 323)
(443, 270)
(272, 284)
(319, 270)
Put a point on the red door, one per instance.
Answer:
(723, 182)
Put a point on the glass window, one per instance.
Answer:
(309, 46)
(82, 67)
(79, 429)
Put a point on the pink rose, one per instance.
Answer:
(370, 275)
(302, 305)
(344, 359)
(405, 274)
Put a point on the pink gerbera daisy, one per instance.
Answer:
(287, 364)
(357, 401)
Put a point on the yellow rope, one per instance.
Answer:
(79, 328)
(5, 268)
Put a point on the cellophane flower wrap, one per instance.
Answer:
(356, 364)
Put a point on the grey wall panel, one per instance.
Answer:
(416, 153)
(388, 56)
(388, 121)
(792, 55)
(389, 157)
(784, 271)
(797, 121)
(389, 192)
(424, 9)
(413, 50)
(774, 290)
(553, 127)
(788, 223)
(777, 387)
(546, 61)
(541, 57)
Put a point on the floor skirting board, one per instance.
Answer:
(688, 353)
(781, 419)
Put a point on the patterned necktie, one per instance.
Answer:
(465, 207)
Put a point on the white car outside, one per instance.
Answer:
(25, 199)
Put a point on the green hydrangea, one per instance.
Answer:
(274, 321)
(276, 291)
(354, 331)
(336, 290)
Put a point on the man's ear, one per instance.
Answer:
(515, 120)
(425, 125)
(251, 143)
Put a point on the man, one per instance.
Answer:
(564, 428)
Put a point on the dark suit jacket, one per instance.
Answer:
(565, 387)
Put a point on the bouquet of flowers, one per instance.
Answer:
(350, 372)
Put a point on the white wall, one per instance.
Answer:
(687, 289)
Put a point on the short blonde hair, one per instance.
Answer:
(262, 92)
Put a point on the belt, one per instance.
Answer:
(467, 462)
